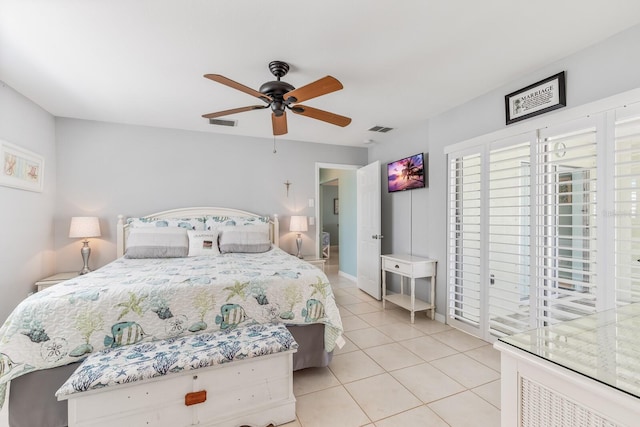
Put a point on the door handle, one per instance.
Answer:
(377, 236)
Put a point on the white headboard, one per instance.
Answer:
(123, 228)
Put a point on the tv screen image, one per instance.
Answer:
(407, 173)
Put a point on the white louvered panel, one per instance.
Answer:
(464, 239)
(566, 209)
(627, 210)
(542, 406)
(509, 230)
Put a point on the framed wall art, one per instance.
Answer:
(21, 168)
(541, 97)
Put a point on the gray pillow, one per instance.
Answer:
(169, 242)
(250, 239)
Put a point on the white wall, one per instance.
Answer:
(602, 70)
(106, 169)
(26, 233)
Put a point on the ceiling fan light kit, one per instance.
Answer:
(280, 96)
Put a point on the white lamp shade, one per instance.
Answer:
(84, 226)
(298, 223)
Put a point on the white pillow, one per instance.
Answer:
(250, 239)
(203, 243)
(157, 242)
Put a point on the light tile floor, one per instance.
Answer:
(392, 373)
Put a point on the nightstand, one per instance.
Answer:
(411, 267)
(318, 262)
(55, 279)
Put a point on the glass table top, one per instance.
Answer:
(604, 346)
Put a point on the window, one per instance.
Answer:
(509, 218)
(464, 239)
(545, 226)
(626, 206)
(566, 209)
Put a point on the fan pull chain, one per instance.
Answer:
(274, 149)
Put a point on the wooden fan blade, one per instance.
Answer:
(279, 123)
(325, 116)
(323, 86)
(234, 111)
(235, 85)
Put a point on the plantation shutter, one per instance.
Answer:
(509, 260)
(464, 238)
(544, 226)
(566, 208)
(626, 208)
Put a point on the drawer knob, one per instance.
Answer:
(397, 266)
(195, 398)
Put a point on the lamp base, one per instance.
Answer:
(299, 245)
(85, 252)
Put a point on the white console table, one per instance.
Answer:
(412, 267)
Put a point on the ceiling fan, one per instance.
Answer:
(280, 96)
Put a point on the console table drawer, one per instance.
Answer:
(420, 269)
(397, 266)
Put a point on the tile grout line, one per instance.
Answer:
(483, 359)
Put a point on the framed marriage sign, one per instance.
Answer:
(541, 97)
(21, 168)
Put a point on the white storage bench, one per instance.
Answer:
(240, 377)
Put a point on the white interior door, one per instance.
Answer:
(369, 229)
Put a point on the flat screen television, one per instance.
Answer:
(407, 173)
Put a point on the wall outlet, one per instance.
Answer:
(312, 220)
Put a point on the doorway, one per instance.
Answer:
(336, 209)
(329, 221)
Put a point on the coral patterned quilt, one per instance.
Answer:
(138, 300)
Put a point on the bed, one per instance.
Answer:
(152, 292)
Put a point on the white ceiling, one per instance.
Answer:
(142, 61)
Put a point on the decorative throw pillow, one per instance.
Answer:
(251, 239)
(203, 243)
(154, 242)
(186, 223)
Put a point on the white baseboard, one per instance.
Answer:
(347, 276)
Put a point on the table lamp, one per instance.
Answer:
(298, 223)
(84, 227)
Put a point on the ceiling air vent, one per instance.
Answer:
(380, 129)
(220, 122)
